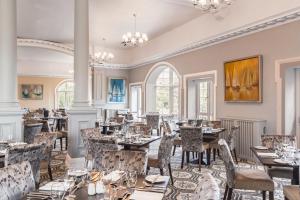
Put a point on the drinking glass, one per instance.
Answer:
(56, 192)
(131, 179)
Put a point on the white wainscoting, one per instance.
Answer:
(11, 126)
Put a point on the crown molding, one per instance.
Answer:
(269, 23)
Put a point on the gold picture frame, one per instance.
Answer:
(243, 80)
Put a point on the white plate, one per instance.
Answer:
(261, 147)
(281, 161)
(77, 173)
(155, 179)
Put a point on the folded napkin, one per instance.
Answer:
(267, 155)
(56, 186)
(113, 177)
(142, 195)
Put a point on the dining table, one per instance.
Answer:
(140, 143)
(291, 192)
(143, 190)
(269, 161)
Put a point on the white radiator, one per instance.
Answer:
(249, 134)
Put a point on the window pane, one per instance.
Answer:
(65, 94)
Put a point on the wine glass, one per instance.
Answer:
(131, 179)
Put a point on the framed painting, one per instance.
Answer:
(31, 91)
(116, 90)
(243, 80)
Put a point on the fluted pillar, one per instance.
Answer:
(10, 112)
(81, 115)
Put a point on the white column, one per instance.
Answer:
(10, 112)
(81, 115)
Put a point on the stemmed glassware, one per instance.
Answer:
(131, 179)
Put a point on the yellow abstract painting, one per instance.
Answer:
(243, 80)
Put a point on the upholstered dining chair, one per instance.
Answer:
(153, 122)
(243, 179)
(142, 127)
(48, 139)
(162, 160)
(271, 141)
(86, 134)
(16, 181)
(207, 189)
(231, 139)
(197, 121)
(132, 160)
(30, 130)
(177, 142)
(104, 151)
(28, 152)
(192, 141)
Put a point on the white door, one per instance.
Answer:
(298, 107)
(136, 100)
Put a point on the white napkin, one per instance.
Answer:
(142, 195)
(54, 185)
(268, 155)
(113, 177)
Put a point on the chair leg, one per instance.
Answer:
(229, 193)
(225, 193)
(174, 150)
(61, 144)
(236, 160)
(50, 172)
(214, 154)
(193, 155)
(158, 132)
(271, 195)
(182, 159)
(54, 144)
(208, 151)
(170, 173)
(147, 170)
(187, 156)
(161, 170)
(200, 160)
(264, 195)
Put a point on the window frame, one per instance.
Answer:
(57, 91)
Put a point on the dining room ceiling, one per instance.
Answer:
(53, 20)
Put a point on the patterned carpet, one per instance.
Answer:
(185, 180)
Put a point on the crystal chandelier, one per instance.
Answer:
(103, 56)
(211, 5)
(135, 38)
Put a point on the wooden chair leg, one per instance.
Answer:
(264, 195)
(208, 152)
(147, 170)
(158, 132)
(50, 172)
(161, 170)
(54, 144)
(225, 193)
(236, 160)
(229, 193)
(200, 160)
(214, 154)
(187, 156)
(170, 173)
(174, 150)
(182, 159)
(61, 144)
(271, 195)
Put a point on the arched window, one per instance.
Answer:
(162, 91)
(65, 94)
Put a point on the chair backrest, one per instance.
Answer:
(48, 139)
(16, 181)
(104, 152)
(198, 121)
(29, 152)
(192, 138)
(118, 119)
(130, 160)
(216, 124)
(271, 141)
(30, 130)
(228, 162)
(89, 133)
(165, 149)
(207, 189)
(153, 120)
(166, 127)
(231, 137)
(143, 128)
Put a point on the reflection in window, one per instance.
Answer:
(65, 94)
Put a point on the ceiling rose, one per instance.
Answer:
(134, 38)
(211, 5)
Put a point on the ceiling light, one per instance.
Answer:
(135, 38)
(211, 5)
(103, 56)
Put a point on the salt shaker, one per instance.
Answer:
(99, 187)
(91, 189)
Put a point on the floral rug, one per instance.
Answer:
(185, 180)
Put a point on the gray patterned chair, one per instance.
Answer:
(163, 158)
(30, 130)
(192, 141)
(271, 141)
(153, 121)
(244, 179)
(29, 152)
(207, 189)
(48, 139)
(16, 181)
(104, 152)
(132, 160)
(86, 134)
